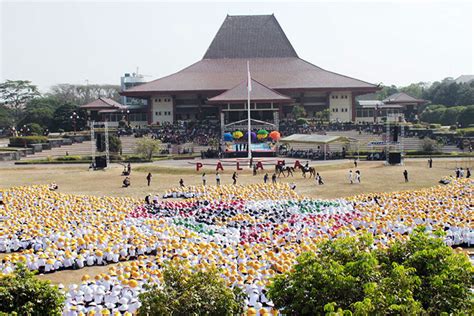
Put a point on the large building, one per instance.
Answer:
(214, 87)
(128, 81)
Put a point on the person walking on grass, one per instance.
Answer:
(203, 179)
(357, 176)
(405, 175)
(218, 179)
(319, 179)
(265, 178)
(148, 178)
(351, 177)
(234, 178)
(181, 183)
(274, 178)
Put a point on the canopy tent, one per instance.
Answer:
(315, 139)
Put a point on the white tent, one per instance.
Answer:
(316, 139)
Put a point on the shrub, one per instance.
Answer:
(466, 132)
(146, 147)
(298, 111)
(21, 141)
(115, 144)
(35, 129)
(23, 294)
(418, 276)
(70, 158)
(430, 145)
(301, 121)
(186, 293)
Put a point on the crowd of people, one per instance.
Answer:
(252, 232)
(312, 154)
(187, 132)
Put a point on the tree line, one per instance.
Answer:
(23, 106)
(450, 103)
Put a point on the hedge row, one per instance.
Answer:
(21, 141)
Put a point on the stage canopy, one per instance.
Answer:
(315, 139)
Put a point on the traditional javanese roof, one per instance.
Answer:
(260, 40)
(104, 104)
(402, 97)
(250, 36)
(259, 93)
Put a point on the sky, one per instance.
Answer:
(389, 42)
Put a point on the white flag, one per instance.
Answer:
(249, 79)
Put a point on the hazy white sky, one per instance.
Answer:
(389, 42)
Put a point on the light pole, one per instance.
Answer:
(24, 131)
(128, 118)
(74, 118)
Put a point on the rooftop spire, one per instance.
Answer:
(250, 36)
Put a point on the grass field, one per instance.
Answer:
(376, 177)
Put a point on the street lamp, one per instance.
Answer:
(128, 118)
(74, 118)
(24, 131)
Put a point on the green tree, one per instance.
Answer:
(348, 277)
(35, 129)
(451, 115)
(22, 293)
(115, 144)
(466, 117)
(415, 89)
(40, 111)
(298, 111)
(433, 113)
(83, 94)
(337, 274)
(62, 118)
(147, 147)
(185, 293)
(323, 115)
(6, 117)
(446, 276)
(15, 94)
(430, 145)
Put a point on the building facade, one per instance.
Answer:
(257, 41)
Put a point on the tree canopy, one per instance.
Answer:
(146, 147)
(83, 94)
(15, 94)
(183, 292)
(23, 294)
(347, 275)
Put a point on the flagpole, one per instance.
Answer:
(249, 131)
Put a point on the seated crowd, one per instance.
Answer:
(179, 133)
(251, 232)
(311, 154)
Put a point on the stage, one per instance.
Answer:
(239, 150)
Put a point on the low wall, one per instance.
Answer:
(10, 155)
(36, 147)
